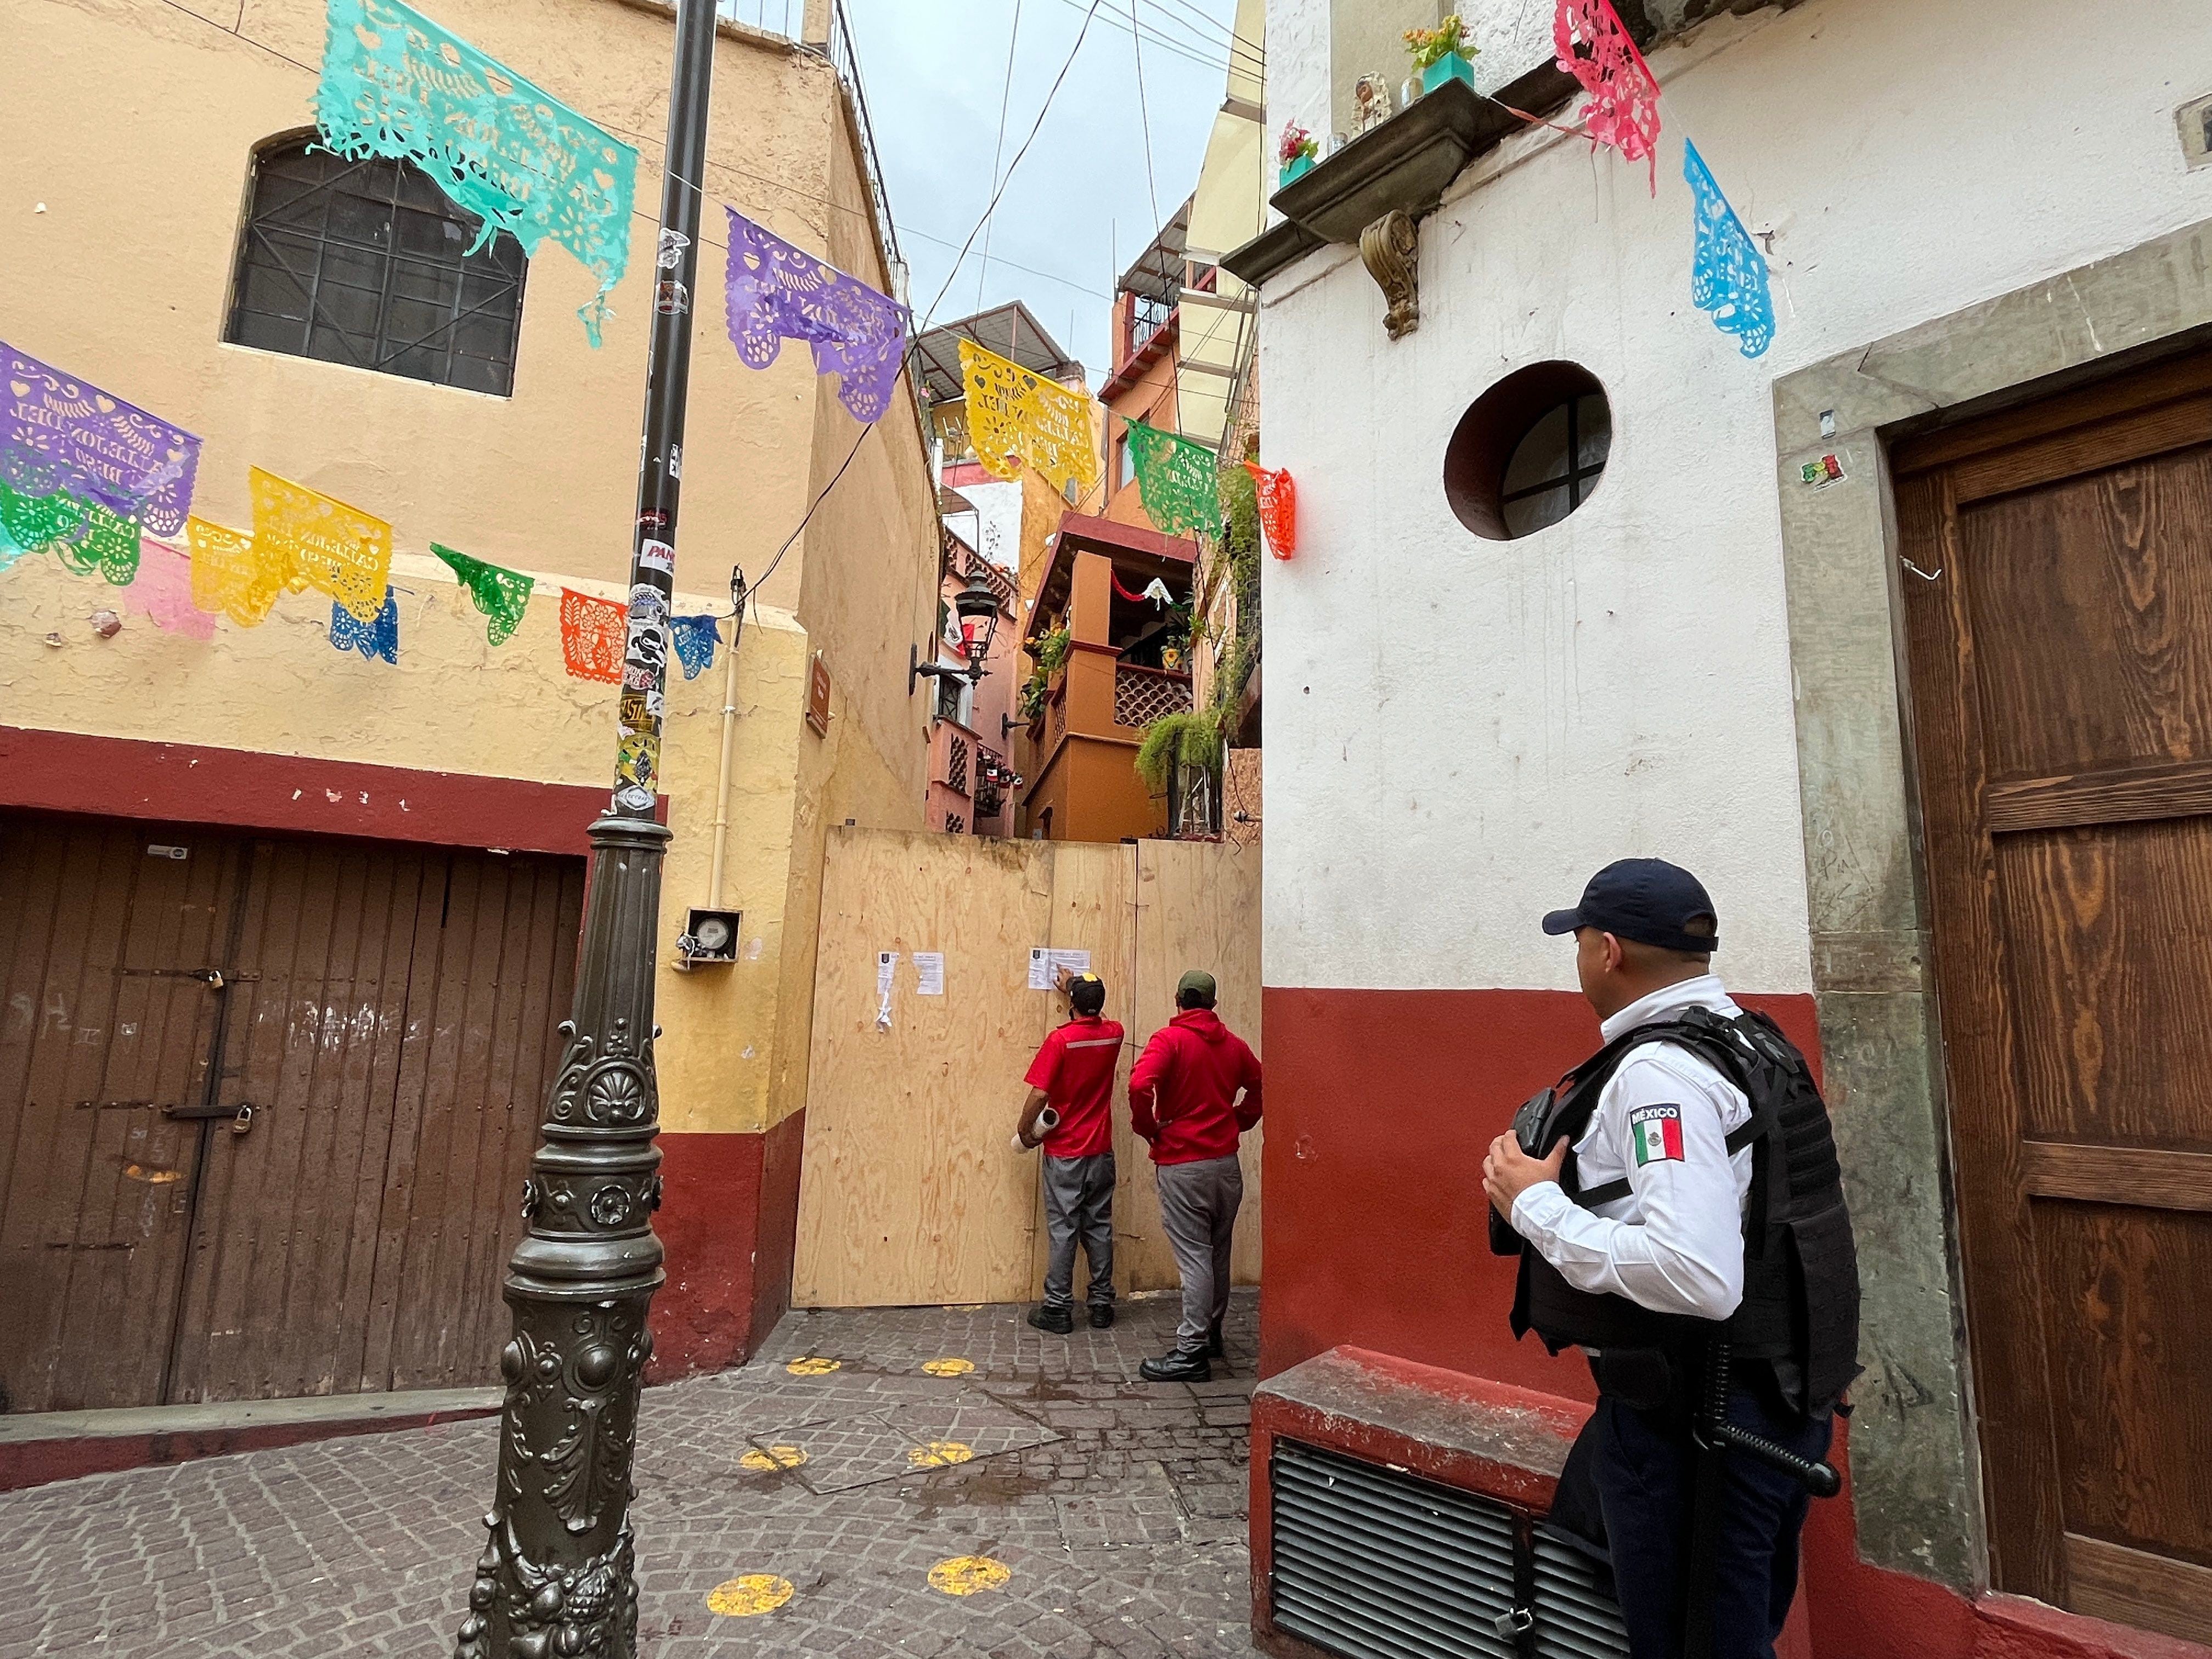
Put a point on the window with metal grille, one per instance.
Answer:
(1375, 1563)
(366, 262)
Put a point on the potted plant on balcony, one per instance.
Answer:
(1442, 53)
(1295, 154)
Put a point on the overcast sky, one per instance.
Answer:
(934, 70)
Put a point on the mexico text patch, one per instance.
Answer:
(1658, 1131)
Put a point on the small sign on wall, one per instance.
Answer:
(817, 697)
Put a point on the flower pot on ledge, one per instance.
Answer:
(1296, 169)
(1449, 67)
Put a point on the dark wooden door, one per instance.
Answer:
(386, 1012)
(396, 1045)
(2059, 628)
(108, 938)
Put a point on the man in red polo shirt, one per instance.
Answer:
(1073, 1074)
(1183, 1099)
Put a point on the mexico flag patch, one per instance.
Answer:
(1658, 1131)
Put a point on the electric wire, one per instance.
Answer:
(952, 276)
(1242, 54)
(999, 145)
(1123, 21)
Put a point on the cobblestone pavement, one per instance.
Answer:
(1116, 1508)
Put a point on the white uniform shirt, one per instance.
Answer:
(1674, 1244)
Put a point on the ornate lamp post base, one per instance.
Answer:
(556, 1578)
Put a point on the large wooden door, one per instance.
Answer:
(107, 944)
(2058, 610)
(265, 1106)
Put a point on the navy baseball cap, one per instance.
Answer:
(1648, 900)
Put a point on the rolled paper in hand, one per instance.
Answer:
(1047, 1121)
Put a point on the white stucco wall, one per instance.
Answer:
(1297, 78)
(994, 529)
(1459, 731)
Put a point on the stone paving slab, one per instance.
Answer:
(1116, 1506)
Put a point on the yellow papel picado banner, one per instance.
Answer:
(1013, 413)
(324, 543)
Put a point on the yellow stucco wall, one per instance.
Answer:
(133, 123)
(455, 704)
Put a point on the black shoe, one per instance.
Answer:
(1177, 1367)
(1102, 1315)
(1213, 1348)
(1059, 1320)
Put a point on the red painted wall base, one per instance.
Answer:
(1379, 1106)
(728, 1219)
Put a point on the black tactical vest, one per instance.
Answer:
(1800, 1283)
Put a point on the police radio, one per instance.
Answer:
(1533, 1132)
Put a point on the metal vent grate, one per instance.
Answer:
(1374, 1564)
(1575, 1620)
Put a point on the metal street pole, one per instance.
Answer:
(556, 1579)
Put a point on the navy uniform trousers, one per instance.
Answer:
(1645, 1471)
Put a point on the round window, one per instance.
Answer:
(1530, 451)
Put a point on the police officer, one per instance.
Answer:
(1678, 1210)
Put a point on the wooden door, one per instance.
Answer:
(396, 1039)
(109, 933)
(2058, 613)
(387, 1012)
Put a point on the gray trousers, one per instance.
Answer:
(1078, 1203)
(1198, 1212)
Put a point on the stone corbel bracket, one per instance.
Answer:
(1390, 248)
(1372, 192)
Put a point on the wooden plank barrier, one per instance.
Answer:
(910, 1193)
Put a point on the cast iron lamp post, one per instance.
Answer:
(557, 1578)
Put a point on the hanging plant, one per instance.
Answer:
(1192, 738)
(1051, 650)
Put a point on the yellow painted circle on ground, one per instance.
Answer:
(964, 1574)
(938, 1454)
(754, 1593)
(812, 1365)
(948, 1367)
(776, 1457)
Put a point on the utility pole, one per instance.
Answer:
(557, 1575)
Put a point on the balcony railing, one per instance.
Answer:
(1142, 695)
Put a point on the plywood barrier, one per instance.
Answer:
(910, 1193)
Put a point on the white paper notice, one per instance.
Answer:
(929, 973)
(1045, 965)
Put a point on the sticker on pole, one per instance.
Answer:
(657, 556)
(1658, 1131)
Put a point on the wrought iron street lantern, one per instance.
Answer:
(977, 605)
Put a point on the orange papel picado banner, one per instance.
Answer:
(1013, 413)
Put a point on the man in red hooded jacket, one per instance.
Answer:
(1184, 1100)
